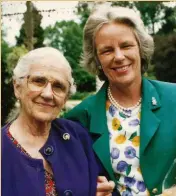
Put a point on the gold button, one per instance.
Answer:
(155, 190)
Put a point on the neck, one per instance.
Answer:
(30, 131)
(34, 127)
(126, 96)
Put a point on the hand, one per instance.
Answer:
(104, 187)
(169, 192)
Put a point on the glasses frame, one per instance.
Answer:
(48, 81)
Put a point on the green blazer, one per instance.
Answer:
(157, 129)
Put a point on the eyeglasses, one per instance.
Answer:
(38, 83)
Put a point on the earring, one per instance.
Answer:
(99, 67)
(17, 104)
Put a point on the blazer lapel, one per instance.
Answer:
(98, 125)
(149, 122)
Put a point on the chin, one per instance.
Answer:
(44, 117)
(126, 80)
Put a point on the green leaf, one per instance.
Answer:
(128, 170)
(120, 128)
(133, 135)
(122, 115)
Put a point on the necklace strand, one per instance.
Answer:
(126, 111)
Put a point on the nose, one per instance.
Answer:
(119, 55)
(47, 92)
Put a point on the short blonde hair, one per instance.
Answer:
(103, 14)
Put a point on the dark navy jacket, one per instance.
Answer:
(72, 161)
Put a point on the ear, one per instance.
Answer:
(17, 89)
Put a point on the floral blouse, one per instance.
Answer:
(50, 187)
(124, 150)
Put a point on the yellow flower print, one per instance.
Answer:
(139, 170)
(148, 194)
(120, 139)
(122, 188)
(135, 141)
(108, 104)
(139, 115)
(115, 124)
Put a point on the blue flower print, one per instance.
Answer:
(115, 153)
(141, 186)
(134, 122)
(130, 152)
(129, 181)
(112, 110)
(128, 112)
(122, 166)
(127, 193)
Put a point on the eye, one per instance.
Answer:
(57, 85)
(106, 51)
(127, 45)
(39, 81)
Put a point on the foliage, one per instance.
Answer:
(150, 74)
(123, 4)
(38, 32)
(7, 98)
(169, 25)
(14, 56)
(80, 96)
(151, 13)
(85, 81)
(83, 11)
(155, 15)
(63, 112)
(164, 57)
(10, 57)
(67, 37)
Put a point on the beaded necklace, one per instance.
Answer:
(126, 111)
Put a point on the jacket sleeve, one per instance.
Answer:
(93, 167)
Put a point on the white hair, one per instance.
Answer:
(38, 56)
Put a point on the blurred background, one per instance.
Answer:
(26, 25)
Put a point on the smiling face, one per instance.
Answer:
(43, 104)
(118, 53)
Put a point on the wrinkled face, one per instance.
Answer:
(118, 53)
(44, 92)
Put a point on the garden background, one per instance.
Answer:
(61, 24)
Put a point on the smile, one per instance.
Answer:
(121, 69)
(45, 105)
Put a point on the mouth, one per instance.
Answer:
(122, 69)
(45, 104)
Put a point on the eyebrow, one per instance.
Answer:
(128, 42)
(103, 47)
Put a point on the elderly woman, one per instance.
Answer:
(131, 119)
(42, 155)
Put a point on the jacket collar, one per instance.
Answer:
(149, 122)
(98, 125)
(98, 121)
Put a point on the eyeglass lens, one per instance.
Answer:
(37, 83)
